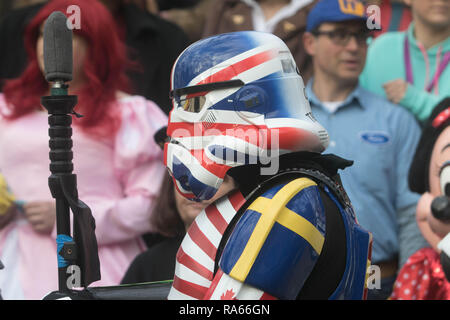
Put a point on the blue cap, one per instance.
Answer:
(335, 11)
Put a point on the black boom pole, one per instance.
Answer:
(81, 251)
(61, 180)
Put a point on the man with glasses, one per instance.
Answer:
(377, 135)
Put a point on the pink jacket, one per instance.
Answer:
(118, 181)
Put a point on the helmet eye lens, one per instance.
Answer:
(194, 104)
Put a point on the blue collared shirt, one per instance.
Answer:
(381, 139)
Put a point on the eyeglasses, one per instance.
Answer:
(341, 37)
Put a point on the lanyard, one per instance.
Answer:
(409, 71)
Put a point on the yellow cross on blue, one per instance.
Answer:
(275, 210)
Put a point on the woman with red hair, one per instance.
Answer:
(118, 165)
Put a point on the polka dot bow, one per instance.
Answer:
(441, 118)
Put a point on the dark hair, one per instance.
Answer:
(166, 217)
(420, 166)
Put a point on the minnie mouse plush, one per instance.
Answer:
(423, 277)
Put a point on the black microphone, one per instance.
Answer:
(57, 52)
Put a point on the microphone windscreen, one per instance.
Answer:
(57, 48)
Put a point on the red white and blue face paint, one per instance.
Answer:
(238, 99)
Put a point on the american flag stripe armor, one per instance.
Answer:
(194, 273)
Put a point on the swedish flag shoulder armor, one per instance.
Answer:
(280, 242)
(278, 238)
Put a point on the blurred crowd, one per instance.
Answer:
(374, 90)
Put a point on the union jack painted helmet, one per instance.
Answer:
(238, 99)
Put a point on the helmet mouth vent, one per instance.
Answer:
(209, 120)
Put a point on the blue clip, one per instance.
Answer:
(61, 239)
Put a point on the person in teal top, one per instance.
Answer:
(412, 68)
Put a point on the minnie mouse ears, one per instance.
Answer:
(419, 170)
